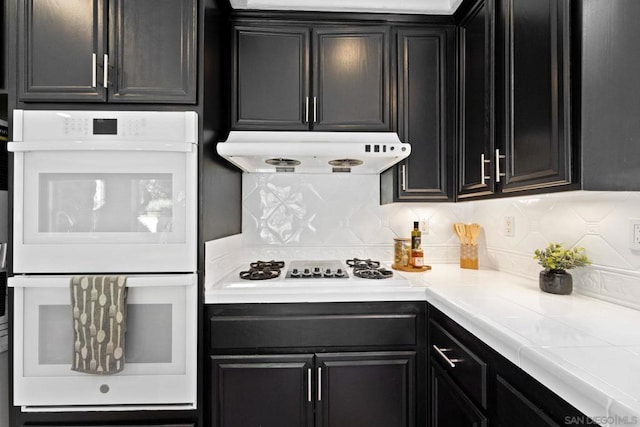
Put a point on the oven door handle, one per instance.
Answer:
(184, 147)
(132, 281)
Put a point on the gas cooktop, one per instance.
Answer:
(313, 273)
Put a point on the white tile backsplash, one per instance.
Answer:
(339, 211)
(292, 216)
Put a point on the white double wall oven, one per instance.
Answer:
(105, 193)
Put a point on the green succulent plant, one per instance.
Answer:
(555, 257)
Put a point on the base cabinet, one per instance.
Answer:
(450, 407)
(257, 377)
(513, 408)
(371, 389)
(262, 390)
(366, 389)
(471, 385)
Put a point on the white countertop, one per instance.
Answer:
(585, 350)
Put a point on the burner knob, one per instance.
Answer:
(328, 273)
(339, 273)
(306, 273)
(317, 272)
(295, 273)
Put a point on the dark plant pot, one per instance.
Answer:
(556, 282)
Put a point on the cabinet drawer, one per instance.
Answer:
(465, 368)
(312, 331)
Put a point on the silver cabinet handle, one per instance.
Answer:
(498, 158)
(94, 69)
(483, 177)
(315, 109)
(306, 110)
(403, 171)
(106, 70)
(319, 384)
(450, 362)
(309, 384)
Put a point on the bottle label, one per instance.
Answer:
(416, 242)
(417, 259)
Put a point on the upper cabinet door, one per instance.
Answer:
(425, 116)
(270, 78)
(535, 98)
(152, 55)
(476, 106)
(61, 45)
(351, 79)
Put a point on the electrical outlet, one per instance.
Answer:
(424, 226)
(635, 234)
(509, 226)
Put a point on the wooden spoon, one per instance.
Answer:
(458, 227)
(474, 231)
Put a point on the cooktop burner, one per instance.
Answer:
(368, 269)
(262, 270)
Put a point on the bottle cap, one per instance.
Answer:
(415, 224)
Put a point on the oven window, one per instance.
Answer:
(148, 338)
(102, 202)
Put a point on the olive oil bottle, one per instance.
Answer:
(417, 256)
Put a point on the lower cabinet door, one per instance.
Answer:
(513, 408)
(267, 391)
(449, 405)
(372, 389)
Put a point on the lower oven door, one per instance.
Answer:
(160, 346)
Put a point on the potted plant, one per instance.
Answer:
(556, 260)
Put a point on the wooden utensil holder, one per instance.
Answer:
(469, 256)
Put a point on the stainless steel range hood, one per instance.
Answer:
(313, 152)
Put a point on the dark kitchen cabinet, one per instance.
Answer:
(476, 144)
(426, 117)
(298, 77)
(512, 408)
(515, 109)
(450, 407)
(610, 94)
(533, 120)
(370, 389)
(107, 51)
(332, 364)
(262, 390)
(351, 80)
(271, 78)
(472, 385)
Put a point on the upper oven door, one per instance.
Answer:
(106, 203)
